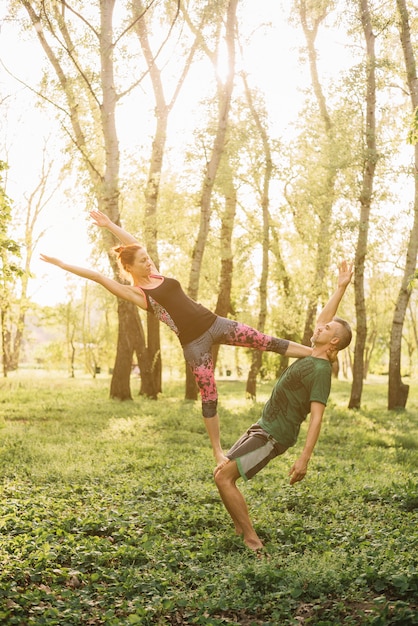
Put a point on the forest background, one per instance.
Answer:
(250, 149)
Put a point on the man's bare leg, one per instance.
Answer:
(213, 430)
(217, 469)
(225, 479)
(220, 466)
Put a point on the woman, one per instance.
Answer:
(196, 326)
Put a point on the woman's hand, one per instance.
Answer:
(100, 219)
(51, 259)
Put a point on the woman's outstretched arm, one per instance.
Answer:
(102, 220)
(297, 350)
(126, 292)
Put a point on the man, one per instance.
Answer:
(303, 388)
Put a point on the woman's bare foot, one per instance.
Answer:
(220, 464)
(220, 457)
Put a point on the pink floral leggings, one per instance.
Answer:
(198, 354)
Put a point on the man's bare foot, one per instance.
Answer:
(262, 554)
(220, 464)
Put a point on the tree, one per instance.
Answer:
(223, 304)
(86, 97)
(311, 18)
(34, 204)
(163, 107)
(9, 271)
(224, 102)
(366, 195)
(397, 389)
(264, 196)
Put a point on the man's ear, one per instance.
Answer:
(335, 341)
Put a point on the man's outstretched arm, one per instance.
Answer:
(331, 307)
(298, 470)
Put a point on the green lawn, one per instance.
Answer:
(109, 514)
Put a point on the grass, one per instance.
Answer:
(109, 514)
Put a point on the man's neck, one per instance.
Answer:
(320, 352)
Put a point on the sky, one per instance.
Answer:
(271, 60)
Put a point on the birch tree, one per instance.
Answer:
(397, 389)
(264, 172)
(366, 196)
(163, 106)
(34, 204)
(80, 48)
(223, 304)
(10, 270)
(311, 17)
(224, 89)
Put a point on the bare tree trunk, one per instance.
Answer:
(5, 341)
(223, 305)
(120, 384)
(225, 91)
(284, 279)
(368, 352)
(414, 324)
(365, 205)
(101, 158)
(144, 360)
(36, 203)
(397, 389)
(153, 186)
(324, 211)
(162, 111)
(256, 359)
(109, 197)
(70, 324)
(134, 341)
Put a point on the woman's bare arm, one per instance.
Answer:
(102, 220)
(126, 292)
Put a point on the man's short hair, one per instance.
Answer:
(344, 333)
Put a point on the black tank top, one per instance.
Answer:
(187, 318)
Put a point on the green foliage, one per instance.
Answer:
(413, 132)
(413, 280)
(9, 249)
(88, 326)
(109, 514)
(10, 270)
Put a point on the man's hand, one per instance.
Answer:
(345, 274)
(100, 219)
(298, 470)
(330, 309)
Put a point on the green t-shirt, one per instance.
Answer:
(304, 381)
